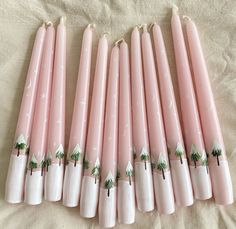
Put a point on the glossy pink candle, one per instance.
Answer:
(107, 194)
(73, 173)
(143, 172)
(191, 123)
(161, 171)
(36, 160)
(126, 197)
(17, 166)
(219, 170)
(177, 156)
(90, 182)
(56, 131)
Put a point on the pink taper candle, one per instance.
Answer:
(161, 172)
(16, 172)
(191, 123)
(143, 171)
(56, 131)
(177, 157)
(219, 169)
(90, 181)
(73, 173)
(107, 194)
(36, 162)
(126, 196)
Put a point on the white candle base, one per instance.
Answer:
(14, 188)
(221, 183)
(164, 193)
(144, 187)
(107, 207)
(34, 188)
(53, 182)
(126, 202)
(71, 188)
(89, 197)
(181, 183)
(201, 182)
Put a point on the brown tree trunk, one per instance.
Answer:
(181, 160)
(18, 152)
(129, 180)
(218, 161)
(108, 192)
(42, 171)
(31, 171)
(47, 168)
(75, 163)
(163, 174)
(145, 165)
(60, 162)
(195, 164)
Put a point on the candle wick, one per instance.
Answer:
(91, 25)
(62, 20)
(49, 23)
(187, 18)
(119, 41)
(175, 10)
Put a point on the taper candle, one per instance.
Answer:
(191, 124)
(176, 153)
(125, 192)
(16, 172)
(107, 194)
(90, 181)
(218, 164)
(143, 171)
(73, 173)
(163, 189)
(36, 160)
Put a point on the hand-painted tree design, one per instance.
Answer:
(75, 155)
(43, 164)
(129, 172)
(96, 170)
(60, 153)
(109, 183)
(85, 164)
(179, 151)
(48, 160)
(20, 144)
(195, 155)
(162, 165)
(33, 164)
(216, 152)
(144, 156)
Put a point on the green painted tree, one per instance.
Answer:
(216, 152)
(162, 165)
(33, 164)
(43, 165)
(129, 172)
(195, 155)
(60, 153)
(179, 152)
(20, 144)
(75, 155)
(109, 183)
(144, 156)
(48, 160)
(96, 170)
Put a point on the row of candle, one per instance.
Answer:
(97, 150)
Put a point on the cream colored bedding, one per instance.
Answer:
(19, 20)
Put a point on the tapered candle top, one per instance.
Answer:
(63, 20)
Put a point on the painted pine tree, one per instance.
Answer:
(144, 156)
(162, 165)
(75, 155)
(129, 172)
(195, 155)
(60, 153)
(43, 165)
(216, 152)
(96, 170)
(20, 144)
(33, 164)
(179, 151)
(48, 160)
(109, 183)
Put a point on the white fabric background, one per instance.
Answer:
(19, 20)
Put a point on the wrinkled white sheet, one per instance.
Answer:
(19, 20)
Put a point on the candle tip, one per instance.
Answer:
(144, 27)
(105, 34)
(175, 10)
(62, 20)
(43, 25)
(151, 25)
(91, 25)
(187, 18)
(49, 23)
(119, 41)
